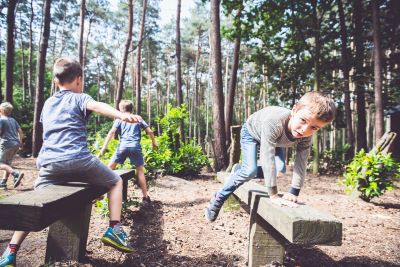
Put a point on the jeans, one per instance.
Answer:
(248, 168)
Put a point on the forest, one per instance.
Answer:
(220, 64)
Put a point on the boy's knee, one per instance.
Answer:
(249, 172)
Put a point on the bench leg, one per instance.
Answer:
(67, 237)
(266, 245)
(124, 189)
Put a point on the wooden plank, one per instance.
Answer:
(302, 225)
(35, 210)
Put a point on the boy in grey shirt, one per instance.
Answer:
(10, 142)
(270, 128)
(65, 157)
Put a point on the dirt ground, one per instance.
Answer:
(173, 231)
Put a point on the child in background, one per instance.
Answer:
(65, 157)
(10, 142)
(270, 128)
(129, 146)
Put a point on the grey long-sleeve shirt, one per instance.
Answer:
(269, 126)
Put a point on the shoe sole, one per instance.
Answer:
(207, 218)
(108, 242)
(18, 181)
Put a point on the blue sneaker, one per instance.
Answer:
(17, 178)
(8, 260)
(211, 212)
(117, 239)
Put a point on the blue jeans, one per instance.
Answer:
(248, 168)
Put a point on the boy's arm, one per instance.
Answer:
(151, 134)
(300, 165)
(20, 135)
(109, 136)
(107, 110)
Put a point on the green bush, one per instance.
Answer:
(371, 174)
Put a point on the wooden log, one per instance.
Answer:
(302, 225)
(67, 237)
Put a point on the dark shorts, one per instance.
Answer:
(134, 154)
(89, 170)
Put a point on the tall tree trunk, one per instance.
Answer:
(346, 72)
(31, 92)
(37, 138)
(81, 32)
(232, 82)
(317, 81)
(221, 158)
(179, 94)
(359, 75)
(12, 4)
(125, 56)
(139, 61)
(379, 125)
(23, 71)
(148, 86)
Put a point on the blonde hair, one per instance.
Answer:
(320, 105)
(66, 69)
(125, 106)
(6, 108)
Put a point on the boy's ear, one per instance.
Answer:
(294, 110)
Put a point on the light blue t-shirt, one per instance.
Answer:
(8, 132)
(64, 118)
(130, 133)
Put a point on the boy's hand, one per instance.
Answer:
(155, 144)
(101, 153)
(290, 197)
(276, 200)
(131, 117)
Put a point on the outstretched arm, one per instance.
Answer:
(107, 110)
(151, 134)
(20, 136)
(109, 136)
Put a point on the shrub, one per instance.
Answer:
(371, 174)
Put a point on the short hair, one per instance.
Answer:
(6, 108)
(125, 106)
(66, 70)
(321, 105)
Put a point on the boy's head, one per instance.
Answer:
(313, 111)
(126, 106)
(6, 108)
(66, 70)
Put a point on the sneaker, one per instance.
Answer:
(146, 201)
(17, 178)
(8, 260)
(117, 239)
(211, 212)
(235, 168)
(3, 185)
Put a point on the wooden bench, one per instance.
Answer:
(272, 227)
(65, 208)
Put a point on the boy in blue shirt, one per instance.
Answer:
(10, 142)
(65, 157)
(129, 146)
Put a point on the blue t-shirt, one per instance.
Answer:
(130, 133)
(8, 132)
(64, 118)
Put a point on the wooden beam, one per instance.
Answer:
(302, 225)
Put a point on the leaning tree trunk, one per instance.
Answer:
(346, 71)
(379, 125)
(40, 70)
(233, 80)
(138, 79)
(221, 158)
(12, 4)
(125, 56)
(358, 76)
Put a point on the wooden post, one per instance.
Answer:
(67, 237)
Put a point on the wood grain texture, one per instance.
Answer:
(302, 225)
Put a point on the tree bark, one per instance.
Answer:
(139, 61)
(30, 74)
(179, 94)
(221, 158)
(379, 124)
(359, 75)
(233, 79)
(346, 75)
(37, 138)
(12, 4)
(81, 30)
(125, 56)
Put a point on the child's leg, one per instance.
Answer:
(142, 180)
(8, 170)
(18, 237)
(8, 258)
(112, 165)
(115, 201)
